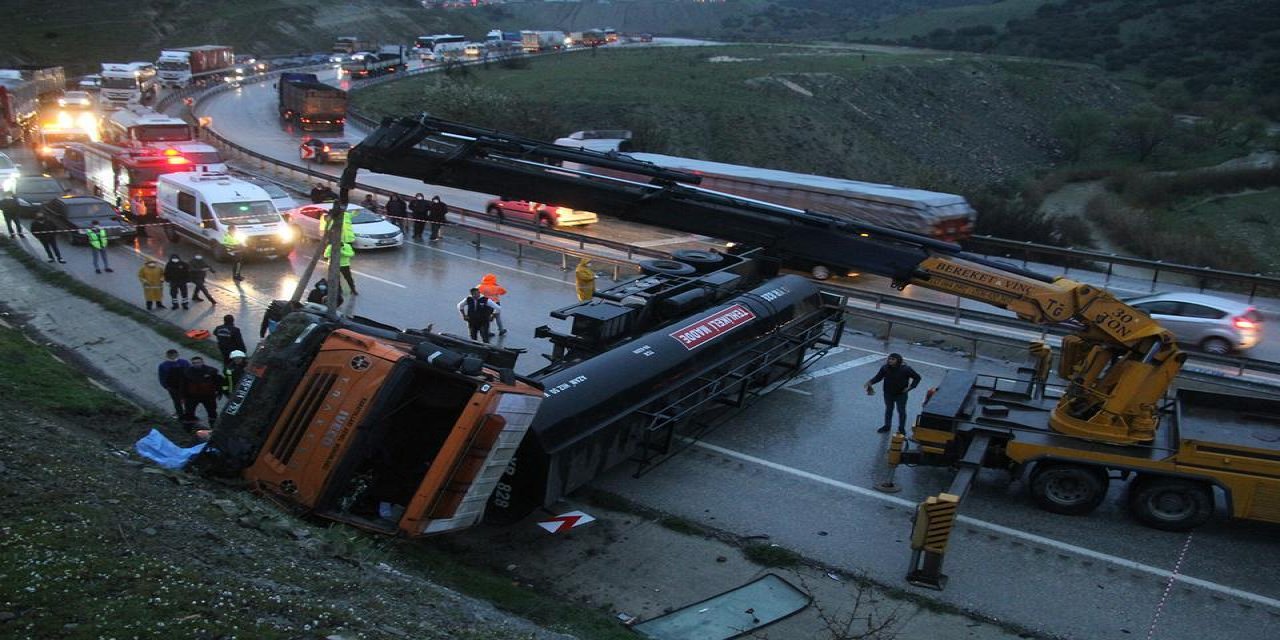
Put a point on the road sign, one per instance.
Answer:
(566, 521)
(308, 152)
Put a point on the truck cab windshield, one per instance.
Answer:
(162, 133)
(109, 82)
(241, 213)
(173, 66)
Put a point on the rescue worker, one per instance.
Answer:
(585, 280)
(437, 213)
(200, 387)
(396, 209)
(229, 338)
(419, 209)
(138, 210)
(276, 311)
(231, 244)
(199, 271)
(151, 275)
(898, 380)
(98, 245)
(47, 233)
(345, 252)
(177, 273)
(233, 372)
(477, 311)
(490, 289)
(170, 372)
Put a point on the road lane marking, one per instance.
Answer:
(492, 264)
(1003, 530)
(844, 366)
(384, 280)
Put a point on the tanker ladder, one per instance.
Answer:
(936, 515)
(734, 382)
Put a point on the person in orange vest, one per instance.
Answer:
(490, 289)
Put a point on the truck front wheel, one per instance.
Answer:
(1170, 504)
(1068, 489)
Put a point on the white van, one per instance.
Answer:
(199, 206)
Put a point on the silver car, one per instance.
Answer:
(1216, 325)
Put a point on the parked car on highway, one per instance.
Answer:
(77, 213)
(372, 230)
(546, 215)
(33, 191)
(324, 151)
(1216, 325)
(9, 172)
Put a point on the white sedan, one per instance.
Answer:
(372, 230)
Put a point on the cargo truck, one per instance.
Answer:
(542, 41)
(387, 59)
(127, 83)
(22, 91)
(311, 104)
(182, 66)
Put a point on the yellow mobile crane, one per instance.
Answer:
(1111, 416)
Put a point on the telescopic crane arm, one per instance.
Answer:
(1118, 366)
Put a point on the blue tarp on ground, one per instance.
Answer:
(160, 450)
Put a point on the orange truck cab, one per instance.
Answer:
(358, 422)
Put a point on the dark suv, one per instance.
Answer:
(77, 213)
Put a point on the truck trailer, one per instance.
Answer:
(181, 66)
(23, 89)
(311, 104)
(387, 59)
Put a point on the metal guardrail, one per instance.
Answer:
(1202, 277)
(628, 253)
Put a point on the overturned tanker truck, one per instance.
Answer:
(416, 432)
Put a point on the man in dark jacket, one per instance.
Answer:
(47, 233)
(478, 311)
(898, 380)
(177, 273)
(9, 207)
(396, 210)
(229, 338)
(322, 193)
(199, 271)
(170, 373)
(200, 386)
(419, 209)
(437, 213)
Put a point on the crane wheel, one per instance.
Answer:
(1170, 504)
(1068, 489)
(703, 261)
(667, 267)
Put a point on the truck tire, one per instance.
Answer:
(1170, 504)
(666, 267)
(1068, 489)
(703, 261)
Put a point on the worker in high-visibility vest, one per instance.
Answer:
(231, 246)
(98, 244)
(345, 252)
(348, 231)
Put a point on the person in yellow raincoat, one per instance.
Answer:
(151, 275)
(586, 280)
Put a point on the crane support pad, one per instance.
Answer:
(935, 518)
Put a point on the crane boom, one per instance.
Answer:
(1118, 366)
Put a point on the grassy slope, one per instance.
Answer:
(995, 14)
(1241, 221)
(912, 119)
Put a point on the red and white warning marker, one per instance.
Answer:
(566, 521)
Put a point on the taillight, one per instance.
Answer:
(1241, 322)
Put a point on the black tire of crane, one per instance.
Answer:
(703, 261)
(666, 267)
(1068, 489)
(1170, 504)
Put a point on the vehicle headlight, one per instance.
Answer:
(10, 183)
(240, 237)
(285, 233)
